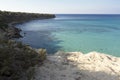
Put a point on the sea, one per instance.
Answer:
(74, 33)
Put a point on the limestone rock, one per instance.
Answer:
(79, 66)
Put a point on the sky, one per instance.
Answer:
(62, 6)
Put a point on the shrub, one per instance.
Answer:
(16, 59)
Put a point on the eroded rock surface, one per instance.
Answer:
(78, 66)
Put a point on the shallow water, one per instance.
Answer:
(84, 33)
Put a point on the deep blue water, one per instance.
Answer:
(74, 32)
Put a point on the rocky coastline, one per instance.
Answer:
(17, 60)
(79, 66)
(9, 19)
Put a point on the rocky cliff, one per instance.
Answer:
(79, 66)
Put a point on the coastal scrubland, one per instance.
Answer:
(16, 59)
(8, 19)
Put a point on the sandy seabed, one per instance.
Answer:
(79, 66)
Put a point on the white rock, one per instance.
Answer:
(78, 66)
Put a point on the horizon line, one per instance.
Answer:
(66, 13)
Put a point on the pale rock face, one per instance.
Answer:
(79, 66)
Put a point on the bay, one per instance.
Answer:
(74, 32)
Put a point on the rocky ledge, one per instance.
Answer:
(13, 32)
(79, 66)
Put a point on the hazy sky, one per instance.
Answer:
(63, 6)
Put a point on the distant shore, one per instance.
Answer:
(8, 19)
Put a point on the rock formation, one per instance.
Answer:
(79, 66)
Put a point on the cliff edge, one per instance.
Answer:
(79, 66)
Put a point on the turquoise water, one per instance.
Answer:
(84, 33)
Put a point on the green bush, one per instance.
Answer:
(16, 59)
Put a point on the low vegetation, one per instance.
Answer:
(7, 17)
(16, 59)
